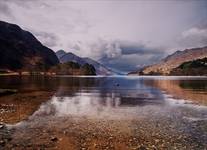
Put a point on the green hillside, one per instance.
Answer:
(195, 68)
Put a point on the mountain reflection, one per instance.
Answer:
(98, 104)
(192, 89)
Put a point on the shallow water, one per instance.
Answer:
(138, 111)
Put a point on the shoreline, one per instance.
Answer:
(57, 75)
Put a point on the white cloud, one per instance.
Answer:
(194, 37)
(195, 32)
(96, 49)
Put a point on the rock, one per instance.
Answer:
(4, 92)
(2, 143)
(157, 140)
(2, 125)
(54, 139)
(142, 148)
(65, 132)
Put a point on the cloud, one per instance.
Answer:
(194, 37)
(47, 39)
(97, 49)
(133, 55)
(129, 48)
(4, 9)
(120, 34)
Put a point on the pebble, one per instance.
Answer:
(65, 132)
(1, 126)
(157, 140)
(130, 140)
(2, 143)
(54, 139)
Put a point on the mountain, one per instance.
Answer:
(165, 66)
(196, 67)
(73, 68)
(20, 50)
(60, 53)
(100, 69)
(67, 57)
(70, 57)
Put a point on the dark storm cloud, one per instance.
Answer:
(127, 63)
(129, 48)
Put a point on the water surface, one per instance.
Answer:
(99, 112)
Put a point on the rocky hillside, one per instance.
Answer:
(196, 67)
(20, 50)
(165, 66)
(70, 57)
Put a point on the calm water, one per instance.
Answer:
(177, 103)
(110, 97)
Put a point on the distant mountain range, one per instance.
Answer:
(70, 57)
(173, 61)
(20, 50)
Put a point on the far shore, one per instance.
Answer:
(25, 73)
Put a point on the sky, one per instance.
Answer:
(121, 34)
